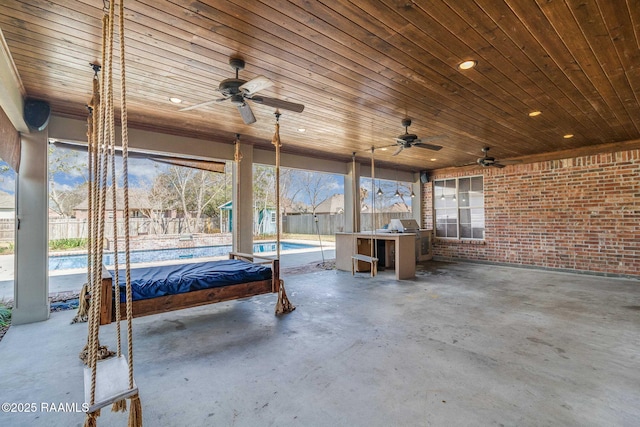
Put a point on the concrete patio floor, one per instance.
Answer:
(462, 344)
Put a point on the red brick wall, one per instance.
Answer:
(579, 214)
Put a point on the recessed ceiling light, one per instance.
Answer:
(535, 113)
(567, 136)
(433, 160)
(175, 100)
(383, 149)
(467, 65)
(301, 130)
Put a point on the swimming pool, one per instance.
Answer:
(73, 261)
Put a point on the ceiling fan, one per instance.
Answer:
(408, 140)
(487, 161)
(238, 91)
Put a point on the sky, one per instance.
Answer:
(142, 173)
(7, 180)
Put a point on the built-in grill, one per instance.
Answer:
(423, 236)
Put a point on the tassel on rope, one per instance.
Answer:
(83, 305)
(103, 353)
(91, 419)
(135, 411)
(119, 406)
(283, 305)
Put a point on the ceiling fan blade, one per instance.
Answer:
(498, 165)
(255, 85)
(432, 138)
(246, 113)
(202, 104)
(427, 146)
(400, 148)
(278, 103)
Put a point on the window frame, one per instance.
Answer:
(474, 212)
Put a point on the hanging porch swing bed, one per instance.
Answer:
(166, 288)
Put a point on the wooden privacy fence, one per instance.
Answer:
(306, 224)
(7, 230)
(331, 223)
(70, 228)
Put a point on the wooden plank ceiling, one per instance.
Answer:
(359, 67)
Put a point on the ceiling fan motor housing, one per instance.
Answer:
(486, 161)
(229, 87)
(407, 139)
(237, 99)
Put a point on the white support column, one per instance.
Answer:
(351, 201)
(11, 90)
(32, 233)
(243, 201)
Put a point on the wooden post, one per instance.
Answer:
(275, 275)
(106, 304)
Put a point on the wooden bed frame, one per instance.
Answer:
(190, 299)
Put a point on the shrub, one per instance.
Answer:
(65, 244)
(6, 248)
(5, 315)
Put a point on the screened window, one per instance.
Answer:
(459, 208)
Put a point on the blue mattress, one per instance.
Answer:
(163, 280)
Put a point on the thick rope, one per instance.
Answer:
(125, 173)
(356, 199)
(237, 155)
(83, 304)
(116, 274)
(91, 419)
(283, 305)
(84, 308)
(97, 126)
(100, 162)
(120, 405)
(374, 248)
(135, 411)
(104, 146)
(278, 144)
(114, 196)
(96, 291)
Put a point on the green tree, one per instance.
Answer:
(64, 162)
(191, 192)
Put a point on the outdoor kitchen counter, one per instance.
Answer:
(399, 251)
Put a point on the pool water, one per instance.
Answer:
(67, 262)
